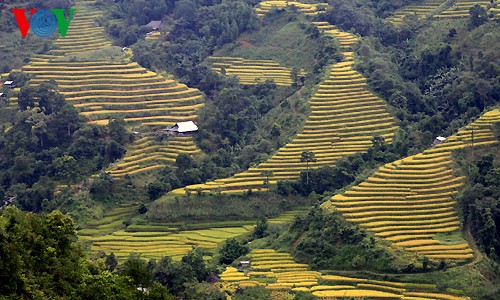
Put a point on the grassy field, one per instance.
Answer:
(224, 207)
(281, 41)
(410, 202)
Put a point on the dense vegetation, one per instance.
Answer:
(343, 246)
(49, 143)
(437, 76)
(480, 202)
(40, 260)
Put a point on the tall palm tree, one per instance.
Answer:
(307, 157)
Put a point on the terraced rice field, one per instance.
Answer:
(154, 36)
(461, 8)
(278, 271)
(408, 202)
(149, 154)
(495, 11)
(253, 71)
(420, 10)
(105, 89)
(156, 240)
(307, 9)
(344, 117)
(83, 33)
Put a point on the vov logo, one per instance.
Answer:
(43, 22)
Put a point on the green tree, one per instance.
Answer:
(117, 130)
(113, 151)
(66, 168)
(478, 16)
(38, 121)
(111, 262)
(275, 130)
(260, 230)
(203, 291)
(266, 174)
(252, 293)
(39, 257)
(136, 268)
(231, 250)
(195, 260)
(307, 157)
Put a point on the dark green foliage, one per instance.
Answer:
(50, 142)
(260, 230)
(37, 251)
(174, 276)
(480, 203)
(324, 240)
(478, 16)
(203, 291)
(142, 209)
(194, 259)
(231, 250)
(303, 296)
(117, 130)
(137, 269)
(345, 171)
(102, 187)
(111, 262)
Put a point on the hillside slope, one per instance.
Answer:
(344, 118)
(410, 202)
(104, 84)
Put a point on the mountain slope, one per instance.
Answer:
(410, 202)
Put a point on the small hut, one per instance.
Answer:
(439, 140)
(244, 264)
(155, 25)
(9, 84)
(213, 278)
(183, 128)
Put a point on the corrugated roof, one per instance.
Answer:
(154, 24)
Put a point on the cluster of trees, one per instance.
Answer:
(480, 203)
(437, 76)
(41, 260)
(346, 170)
(190, 171)
(46, 142)
(325, 240)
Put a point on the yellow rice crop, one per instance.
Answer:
(354, 293)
